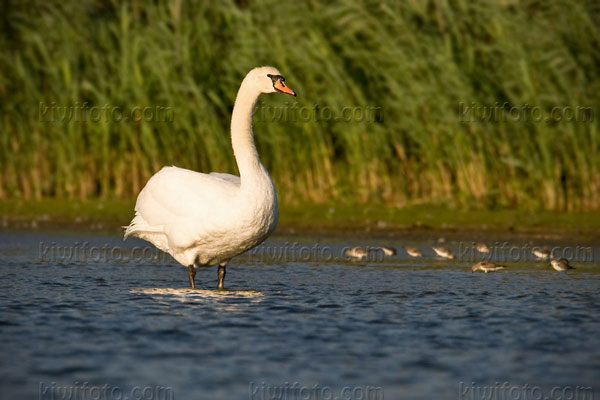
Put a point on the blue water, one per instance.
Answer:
(390, 327)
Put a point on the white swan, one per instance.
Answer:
(206, 219)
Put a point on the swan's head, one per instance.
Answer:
(268, 80)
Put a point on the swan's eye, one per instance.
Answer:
(275, 78)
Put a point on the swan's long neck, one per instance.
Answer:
(242, 139)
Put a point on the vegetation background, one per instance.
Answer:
(409, 68)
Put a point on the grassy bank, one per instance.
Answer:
(332, 219)
(430, 86)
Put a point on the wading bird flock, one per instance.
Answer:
(361, 253)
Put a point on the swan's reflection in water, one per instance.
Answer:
(201, 295)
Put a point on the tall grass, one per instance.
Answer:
(417, 61)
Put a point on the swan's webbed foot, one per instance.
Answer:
(192, 276)
(221, 276)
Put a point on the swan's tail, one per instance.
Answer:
(139, 225)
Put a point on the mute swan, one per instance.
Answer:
(206, 219)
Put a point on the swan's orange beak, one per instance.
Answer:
(280, 86)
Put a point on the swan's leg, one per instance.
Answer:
(192, 276)
(222, 275)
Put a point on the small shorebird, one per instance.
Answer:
(486, 267)
(413, 251)
(542, 254)
(443, 252)
(562, 264)
(388, 251)
(358, 253)
(482, 248)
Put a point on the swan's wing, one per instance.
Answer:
(177, 201)
(227, 177)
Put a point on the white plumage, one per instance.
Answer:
(206, 219)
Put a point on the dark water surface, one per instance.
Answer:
(307, 325)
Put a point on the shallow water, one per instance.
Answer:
(391, 327)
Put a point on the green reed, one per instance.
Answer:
(406, 66)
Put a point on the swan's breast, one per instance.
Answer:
(253, 219)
